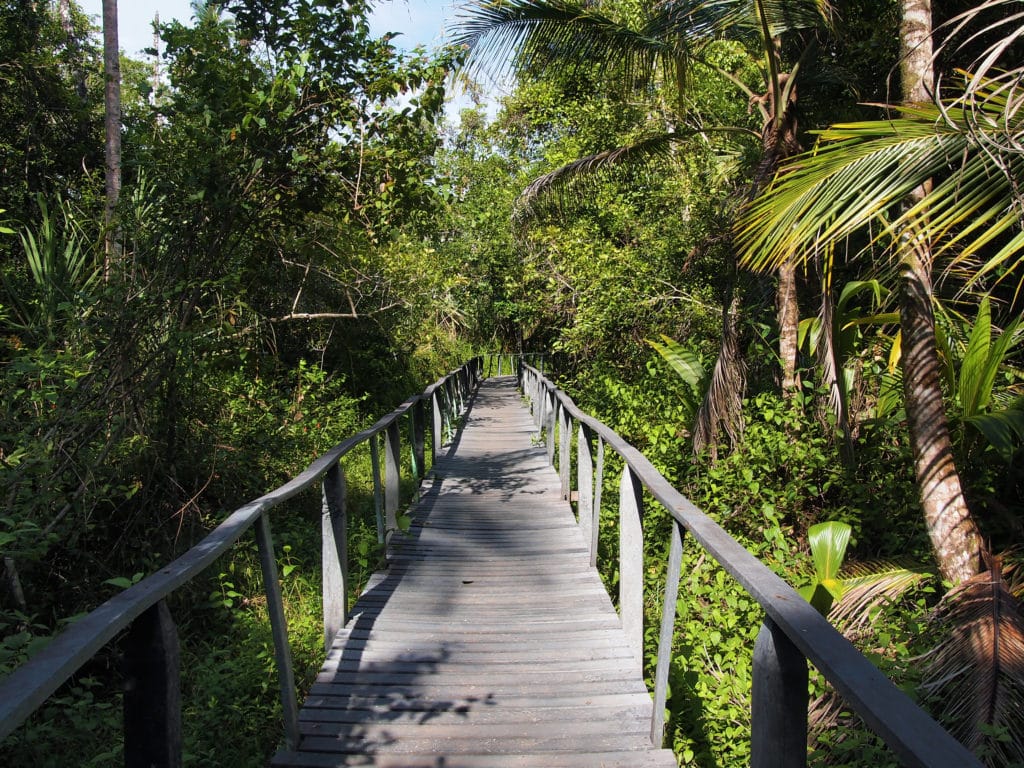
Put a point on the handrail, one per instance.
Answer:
(508, 363)
(793, 632)
(141, 609)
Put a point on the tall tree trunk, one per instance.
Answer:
(954, 534)
(778, 142)
(788, 314)
(112, 126)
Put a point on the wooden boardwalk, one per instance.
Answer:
(489, 641)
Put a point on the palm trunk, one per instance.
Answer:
(112, 127)
(789, 324)
(778, 142)
(954, 534)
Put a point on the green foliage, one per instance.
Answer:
(688, 367)
(709, 680)
(828, 548)
(974, 367)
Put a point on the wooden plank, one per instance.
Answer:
(442, 713)
(608, 759)
(489, 639)
(511, 704)
(453, 746)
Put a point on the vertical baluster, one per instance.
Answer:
(551, 414)
(437, 425)
(499, 364)
(564, 451)
(668, 621)
(585, 481)
(334, 557)
(449, 409)
(778, 737)
(279, 629)
(152, 696)
(631, 563)
(538, 402)
(392, 475)
(378, 487)
(419, 417)
(598, 489)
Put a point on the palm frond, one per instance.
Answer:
(528, 34)
(722, 407)
(859, 172)
(869, 587)
(742, 19)
(1001, 19)
(976, 674)
(574, 182)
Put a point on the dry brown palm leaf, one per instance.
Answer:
(868, 588)
(975, 676)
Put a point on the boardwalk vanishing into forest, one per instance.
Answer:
(489, 640)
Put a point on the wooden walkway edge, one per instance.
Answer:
(489, 641)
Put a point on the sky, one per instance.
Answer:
(418, 21)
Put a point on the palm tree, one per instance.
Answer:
(939, 181)
(546, 33)
(112, 128)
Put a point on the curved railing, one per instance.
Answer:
(152, 725)
(793, 633)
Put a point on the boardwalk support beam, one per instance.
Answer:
(778, 736)
(152, 696)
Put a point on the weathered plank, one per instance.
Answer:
(489, 641)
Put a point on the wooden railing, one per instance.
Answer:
(152, 713)
(507, 363)
(793, 633)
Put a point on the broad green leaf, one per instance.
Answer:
(682, 361)
(973, 373)
(828, 548)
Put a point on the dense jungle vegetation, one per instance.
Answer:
(775, 245)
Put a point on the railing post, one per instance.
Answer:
(450, 408)
(551, 417)
(418, 415)
(564, 451)
(778, 737)
(541, 399)
(631, 563)
(598, 489)
(499, 364)
(152, 696)
(334, 558)
(585, 481)
(392, 476)
(279, 629)
(668, 621)
(437, 426)
(378, 487)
